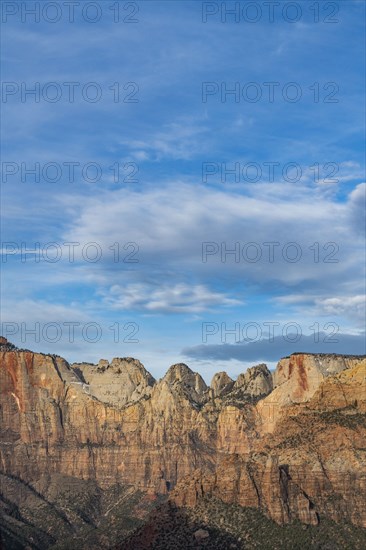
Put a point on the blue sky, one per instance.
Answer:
(175, 304)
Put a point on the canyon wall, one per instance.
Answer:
(291, 444)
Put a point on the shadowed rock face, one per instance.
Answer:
(294, 452)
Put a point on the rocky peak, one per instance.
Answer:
(124, 380)
(255, 381)
(179, 372)
(103, 364)
(134, 368)
(221, 384)
(181, 377)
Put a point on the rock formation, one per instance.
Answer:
(295, 452)
(296, 379)
(256, 381)
(221, 384)
(121, 382)
(182, 380)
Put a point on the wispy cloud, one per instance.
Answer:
(164, 298)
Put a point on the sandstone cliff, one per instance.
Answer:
(296, 379)
(294, 452)
(311, 464)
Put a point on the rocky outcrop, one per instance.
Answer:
(296, 452)
(221, 384)
(180, 378)
(300, 375)
(5, 345)
(256, 381)
(347, 389)
(122, 381)
(296, 379)
(312, 464)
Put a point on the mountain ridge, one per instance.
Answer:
(290, 444)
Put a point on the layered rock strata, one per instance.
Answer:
(296, 451)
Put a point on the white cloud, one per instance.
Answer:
(173, 298)
(344, 306)
(170, 224)
(353, 306)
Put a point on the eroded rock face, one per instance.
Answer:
(123, 381)
(256, 381)
(310, 370)
(221, 384)
(182, 379)
(296, 379)
(296, 453)
(310, 465)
